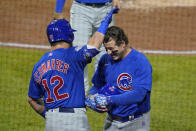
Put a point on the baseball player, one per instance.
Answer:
(85, 17)
(58, 77)
(122, 85)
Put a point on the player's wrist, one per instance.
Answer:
(102, 29)
(43, 114)
(92, 96)
(109, 100)
(58, 16)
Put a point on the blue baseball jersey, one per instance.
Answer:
(58, 77)
(134, 71)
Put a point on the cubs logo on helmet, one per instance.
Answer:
(124, 81)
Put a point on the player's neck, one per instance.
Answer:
(127, 51)
(61, 45)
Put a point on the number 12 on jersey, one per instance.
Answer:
(55, 90)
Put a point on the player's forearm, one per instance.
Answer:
(96, 40)
(37, 105)
(131, 97)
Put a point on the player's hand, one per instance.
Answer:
(108, 17)
(58, 16)
(102, 100)
(105, 23)
(116, 3)
(92, 105)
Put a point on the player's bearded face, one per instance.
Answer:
(115, 51)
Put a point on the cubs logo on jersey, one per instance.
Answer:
(124, 81)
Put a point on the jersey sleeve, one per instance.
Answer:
(35, 90)
(98, 79)
(85, 54)
(133, 96)
(143, 74)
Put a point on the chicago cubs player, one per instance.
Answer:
(122, 84)
(85, 17)
(58, 77)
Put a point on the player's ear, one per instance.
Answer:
(123, 44)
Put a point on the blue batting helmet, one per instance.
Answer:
(60, 30)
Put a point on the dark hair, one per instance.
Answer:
(59, 42)
(117, 34)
